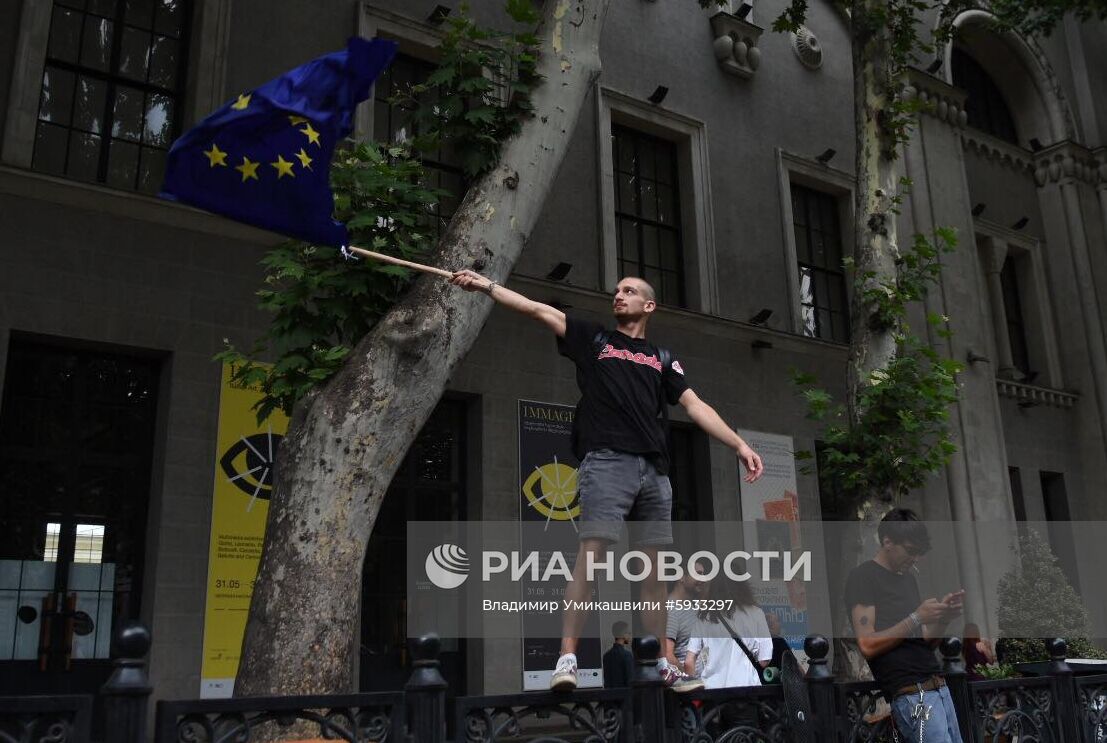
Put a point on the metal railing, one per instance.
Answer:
(1055, 708)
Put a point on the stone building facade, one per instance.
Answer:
(112, 302)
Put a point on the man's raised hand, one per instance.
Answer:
(470, 280)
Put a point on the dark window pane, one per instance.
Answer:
(985, 106)
(670, 287)
(821, 290)
(666, 205)
(122, 164)
(105, 8)
(96, 45)
(77, 4)
(665, 167)
(168, 18)
(670, 253)
(65, 35)
(127, 121)
(799, 207)
(803, 246)
(624, 154)
(649, 246)
(825, 327)
(818, 250)
(57, 96)
(152, 170)
(139, 13)
(163, 62)
(646, 156)
(159, 120)
(649, 200)
(836, 293)
(84, 155)
(841, 331)
(88, 110)
(629, 245)
(50, 143)
(627, 194)
(134, 55)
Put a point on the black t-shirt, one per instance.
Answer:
(621, 387)
(618, 667)
(895, 596)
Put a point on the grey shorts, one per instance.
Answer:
(616, 487)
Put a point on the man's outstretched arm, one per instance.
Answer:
(704, 416)
(551, 317)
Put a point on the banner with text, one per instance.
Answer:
(770, 512)
(548, 494)
(244, 463)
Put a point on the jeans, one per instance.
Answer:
(940, 727)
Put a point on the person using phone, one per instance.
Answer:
(897, 631)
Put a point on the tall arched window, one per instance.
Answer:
(985, 106)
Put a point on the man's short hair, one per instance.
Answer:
(903, 525)
(647, 287)
(619, 629)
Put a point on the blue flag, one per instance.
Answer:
(265, 157)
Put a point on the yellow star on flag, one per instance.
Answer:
(216, 156)
(242, 102)
(311, 134)
(248, 169)
(296, 120)
(284, 167)
(304, 159)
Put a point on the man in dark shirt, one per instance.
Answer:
(618, 662)
(620, 440)
(897, 633)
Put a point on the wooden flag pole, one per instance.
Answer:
(400, 262)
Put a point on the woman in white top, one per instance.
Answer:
(722, 664)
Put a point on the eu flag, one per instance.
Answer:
(264, 158)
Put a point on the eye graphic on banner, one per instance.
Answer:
(249, 464)
(551, 490)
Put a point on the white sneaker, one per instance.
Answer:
(565, 674)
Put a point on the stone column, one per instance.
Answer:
(1066, 168)
(994, 252)
(976, 477)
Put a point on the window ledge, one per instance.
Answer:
(1030, 395)
(94, 197)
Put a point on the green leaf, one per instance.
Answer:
(522, 11)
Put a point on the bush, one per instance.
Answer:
(1037, 601)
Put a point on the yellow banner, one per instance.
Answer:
(244, 474)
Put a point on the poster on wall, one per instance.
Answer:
(244, 458)
(548, 493)
(770, 510)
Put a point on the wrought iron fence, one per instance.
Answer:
(57, 719)
(1056, 708)
(353, 718)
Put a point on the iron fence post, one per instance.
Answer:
(126, 693)
(649, 692)
(425, 693)
(820, 682)
(1064, 688)
(953, 668)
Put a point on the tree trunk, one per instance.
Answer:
(872, 344)
(346, 440)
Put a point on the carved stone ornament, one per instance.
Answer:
(807, 47)
(735, 44)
